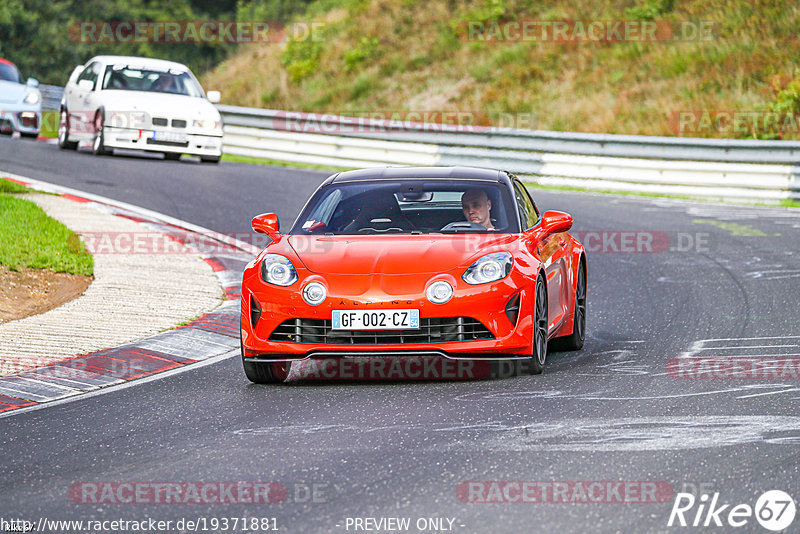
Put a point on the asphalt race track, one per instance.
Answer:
(717, 281)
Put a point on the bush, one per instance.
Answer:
(301, 58)
(368, 47)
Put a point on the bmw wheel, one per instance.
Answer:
(98, 146)
(63, 131)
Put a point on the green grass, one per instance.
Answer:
(736, 229)
(29, 238)
(7, 186)
(788, 203)
(49, 126)
(279, 163)
(748, 63)
(612, 192)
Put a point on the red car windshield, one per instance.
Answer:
(409, 207)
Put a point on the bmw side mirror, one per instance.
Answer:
(86, 85)
(32, 82)
(554, 222)
(75, 73)
(214, 96)
(267, 223)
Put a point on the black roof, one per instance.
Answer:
(402, 173)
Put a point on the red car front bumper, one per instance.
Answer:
(509, 333)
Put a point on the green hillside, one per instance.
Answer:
(735, 80)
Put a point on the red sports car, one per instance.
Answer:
(451, 262)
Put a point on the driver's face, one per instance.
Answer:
(476, 207)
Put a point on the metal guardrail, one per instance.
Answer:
(636, 146)
(51, 97)
(766, 171)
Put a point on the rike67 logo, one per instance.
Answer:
(774, 510)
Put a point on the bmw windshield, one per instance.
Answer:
(130, 78)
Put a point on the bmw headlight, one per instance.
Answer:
(207, 124)
(32, 98)
(278, 270)
(489, 268)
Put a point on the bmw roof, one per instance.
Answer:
(144, 62)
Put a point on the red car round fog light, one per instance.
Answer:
(314, 293)
(439, 292)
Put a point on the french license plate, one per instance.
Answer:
(375, 319)
(169, 137)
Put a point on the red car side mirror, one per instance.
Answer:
(267, 223)
(554, 222)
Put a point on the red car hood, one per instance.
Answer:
(393, 254)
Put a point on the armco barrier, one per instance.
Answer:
(627, 146)
(51, 97)
(763, 171)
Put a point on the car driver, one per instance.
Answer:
(477, 208)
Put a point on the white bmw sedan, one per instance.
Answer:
(140, 103)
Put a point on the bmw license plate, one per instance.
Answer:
(169, 137)
(375, 319)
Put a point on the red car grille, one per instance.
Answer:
(435, 330)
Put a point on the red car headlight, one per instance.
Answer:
(278, 270)
(489, 268)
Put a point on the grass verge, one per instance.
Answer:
(7, 186)
(710, 61)
(278, 163)
(49, 127)
(787, 203)
(29, 238)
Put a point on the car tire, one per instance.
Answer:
(172, 156)
(63, 132)
(575, 340)
(263, 373)
(98, 145)
(540, 326)
(210, 159)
